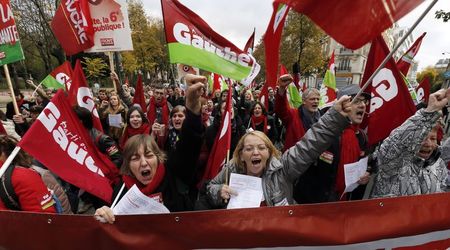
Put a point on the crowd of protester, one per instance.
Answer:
(299, 153)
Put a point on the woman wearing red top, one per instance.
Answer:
(31, 191)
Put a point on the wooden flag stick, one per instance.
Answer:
(11, 89)
(111, 66)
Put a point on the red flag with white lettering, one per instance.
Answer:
(139, 98)
(72, 26)
(218, 155)
(404, 62)
(389, 94)
(353, 23)
(81, 95)
(64, 146)
(272, 42)
(423, 90)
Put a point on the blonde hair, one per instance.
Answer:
(132, 146)
(273, 151)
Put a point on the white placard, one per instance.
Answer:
(248, 189)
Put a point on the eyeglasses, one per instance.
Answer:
(251, 148)
(361, 100)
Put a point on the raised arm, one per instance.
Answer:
(407, 138)
(297, 159)
(127, 99)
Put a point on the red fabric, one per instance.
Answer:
(250, 44)
(20, 102)
(30, 189)
(152, 186)
(80, 94)
(129, 132)
(63, 74)
(372, 224)
(264, 96)
(283, 70)
(291, 120)
(423, 90)
(72, 26)
(65, 147)
(389, 95)
(404, 62)
(350, 152)
(258, 120)
(359, 22)
(2, 129)
(139, 97)
(151, 114)
(218, 155)
(272, 42)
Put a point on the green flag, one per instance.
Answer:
(10, 49)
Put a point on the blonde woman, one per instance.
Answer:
(115, 107)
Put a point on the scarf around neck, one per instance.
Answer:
(256, 121)
(150, 188)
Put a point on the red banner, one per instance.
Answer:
(72, 26)
(81, 95)
(389, 95)
(414, 222)
(423, 90)
(61, 143)
(272, 42)
(353, 23)
(404, 63)
(139, 97)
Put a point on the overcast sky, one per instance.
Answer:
(235, 20)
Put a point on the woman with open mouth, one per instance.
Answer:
(255, 155)
(137, 124)
(145, 164)
(263, 122)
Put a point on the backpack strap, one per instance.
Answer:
(7, 193)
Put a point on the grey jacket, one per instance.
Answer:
(279, 175)
(401, 172)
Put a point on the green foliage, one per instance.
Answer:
(149, 54)
(301, 42)
(435, 76)
(95, 68)
(442, 14)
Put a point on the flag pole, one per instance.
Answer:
(388, 57)
(226, 172)
(111, 66)
(11, 89)
(8, 161)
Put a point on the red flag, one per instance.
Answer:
(423, 90)
(353, 23)
(264, 96)
(72, 26)
(139, 97)
(404, 62)
(80, 94)
(2, 129)
(389, 94)
(250, 43)
(65, 147)
(283, 70)
(218, 155)
(272, 42)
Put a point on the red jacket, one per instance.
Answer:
(32, 193)
(291, 120)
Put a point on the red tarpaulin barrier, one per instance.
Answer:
(415, 222)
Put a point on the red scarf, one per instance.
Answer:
(20, 102)
(130, 131)
(151, 114)
(350, 152)
(259, 120)
(150, 188)
(205, 118)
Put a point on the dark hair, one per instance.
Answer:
(132, 146)
(36, 109)
(138, 108)
(178, 108)
(264, 111)
(7, 145)
(2, 115)
(85, 116)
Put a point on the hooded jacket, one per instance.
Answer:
(401, 172)
(279, 175)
